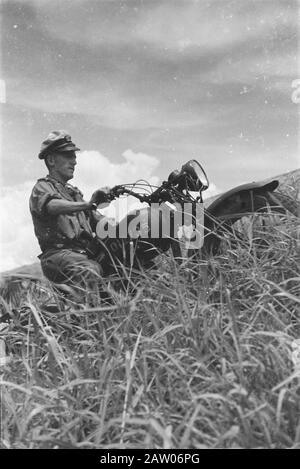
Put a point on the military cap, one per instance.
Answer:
(58, 140)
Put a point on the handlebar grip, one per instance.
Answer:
(115, 192)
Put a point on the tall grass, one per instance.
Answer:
(197, 355)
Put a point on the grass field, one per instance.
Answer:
(197, 355)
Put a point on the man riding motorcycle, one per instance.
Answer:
(64, 223)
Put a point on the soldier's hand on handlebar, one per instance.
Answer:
(100, 196)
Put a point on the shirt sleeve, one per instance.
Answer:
(41, 194)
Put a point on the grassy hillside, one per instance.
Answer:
(199, 355)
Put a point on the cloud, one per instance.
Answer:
(95, 170)
(169, 24)
(261, 68)
(209, 24)
(116, 105)
(136, 65)
(173, 78)
(106, 173)
(18, 245)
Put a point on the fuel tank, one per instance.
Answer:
(143, 233)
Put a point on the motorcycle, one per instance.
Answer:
(172, 208)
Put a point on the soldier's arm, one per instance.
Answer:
(46, 200)
(62, 207)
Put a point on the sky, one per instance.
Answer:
(143, 86)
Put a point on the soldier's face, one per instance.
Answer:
(64, 164)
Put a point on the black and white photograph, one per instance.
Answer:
(149, 227)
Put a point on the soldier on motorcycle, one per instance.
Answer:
(64, 223)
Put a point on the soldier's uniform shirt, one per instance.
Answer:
(57, 230)
(61, 237)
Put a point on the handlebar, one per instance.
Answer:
(166, 192)
(191, 177)
(120, 190)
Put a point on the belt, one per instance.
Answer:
(71, 247)
(89, 248)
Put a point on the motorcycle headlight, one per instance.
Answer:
(195, 177)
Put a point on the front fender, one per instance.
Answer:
(242, 199)
(231, 207)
